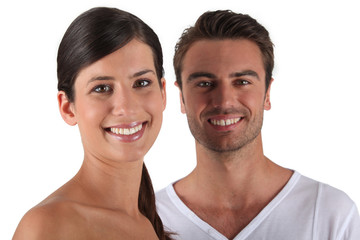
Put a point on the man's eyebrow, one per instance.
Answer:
(245, 73)
(200, 74)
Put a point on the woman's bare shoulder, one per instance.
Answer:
(48, 220)
(70, 214)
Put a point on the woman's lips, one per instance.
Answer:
(127, 132)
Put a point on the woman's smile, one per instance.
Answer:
(121, 94)
(127, 132)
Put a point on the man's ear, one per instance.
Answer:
(163, 92)
(267, 102)
(66, 108)
(182, 104)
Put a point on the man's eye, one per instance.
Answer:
(205, 84)
(141, 83)
(242, 82)
(102, 89)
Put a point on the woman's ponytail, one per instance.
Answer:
(147, 205)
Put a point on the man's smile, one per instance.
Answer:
(224, 122)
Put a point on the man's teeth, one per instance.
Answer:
(126, 131)
(224, 122)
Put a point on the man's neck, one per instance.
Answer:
(223, 174)
(233, 184)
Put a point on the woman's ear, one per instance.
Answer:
(163, 92)
(66, 108)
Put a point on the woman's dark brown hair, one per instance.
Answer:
(91, 36)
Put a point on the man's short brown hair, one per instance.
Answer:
(225, 24)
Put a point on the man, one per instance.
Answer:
(223, 67)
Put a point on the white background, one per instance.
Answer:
(313, 126)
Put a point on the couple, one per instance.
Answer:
(110, 82)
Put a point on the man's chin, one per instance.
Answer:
(219, 147)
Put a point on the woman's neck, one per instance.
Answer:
(112, 185)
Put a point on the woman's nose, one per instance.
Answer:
(123, 102)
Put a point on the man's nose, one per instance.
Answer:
(224, 96)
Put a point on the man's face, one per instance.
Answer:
(223, 93)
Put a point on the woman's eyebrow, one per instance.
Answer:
(142, 72)
(104, 78)
(100, 78)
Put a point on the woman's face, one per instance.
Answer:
(118, 104)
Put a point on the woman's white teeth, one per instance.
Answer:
(224, 122)
(126, 131)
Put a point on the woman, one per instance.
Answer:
(110, 82)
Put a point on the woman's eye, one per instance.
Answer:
(102, 89)
(141, 83)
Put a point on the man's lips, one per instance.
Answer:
(224, 121)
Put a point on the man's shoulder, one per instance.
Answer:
(326, 202)
(325, 193)
(333, 212)
(335, 199)
(161, 194)
(165, 197)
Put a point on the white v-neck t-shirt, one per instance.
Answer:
(304, 209)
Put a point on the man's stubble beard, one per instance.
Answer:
(223, 142)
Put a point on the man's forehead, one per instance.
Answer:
(220, 45)
(223, 55)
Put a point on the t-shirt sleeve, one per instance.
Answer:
(337, 215)
(351, 226)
